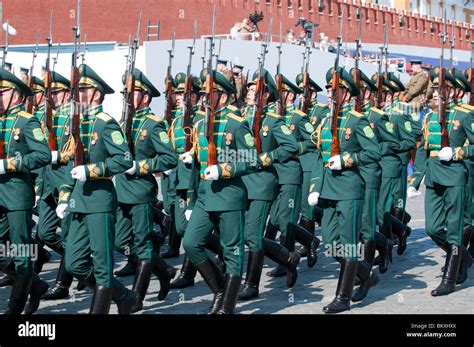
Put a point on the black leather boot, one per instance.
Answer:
(402, 232)
(174, 244)
(252, 278)
(271, 231)
(161, 270)
(129, 269)
(124, 298)
(44, 257)
(231, 290)
(448, 283)
(213, 243)
(283, 257)
(38, 288)
(307, 224)
(10, 275)
(384, 246)
(141, 283)
(63, 282)
(342, 301)
(187, 275)
(466, 263)
(19, 294)
(280, 270)
(311, 243)
(6, 281)
(364, 272)
(101, 300)
(215, 280)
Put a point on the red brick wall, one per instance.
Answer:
(113, 20)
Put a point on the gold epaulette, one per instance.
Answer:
(104, 116)
(25, 114)
(467, 106)
(202, 113)
(461, 109)
(377, 110)
(321, 105)
(232, 108)
(355, 113)
(235, 117)
(273, 114)
(299, 113)
(153, 117)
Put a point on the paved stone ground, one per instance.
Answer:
(404, 289)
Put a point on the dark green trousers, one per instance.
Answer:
(400, 194)
(307, 211)
(285, 209)
(168, 191)
(444, 211)
(386, 196)
(49, 222)
(15, 228)
(468, 209)
(340, 226)
(255, 221)
(180, 206)
(231, 226)
(369, 214)
(133, 230)
(91, 243)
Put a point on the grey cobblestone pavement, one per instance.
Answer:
(404, 289)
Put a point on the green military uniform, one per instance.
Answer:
(445, 181)
(24, 149)
(342, 191)
(52, 175)
(221, 203)
(137, 191)
(93, 202)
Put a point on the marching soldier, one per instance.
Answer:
(52, 179)
(221, 195)
(137, 190)
(278, 145)
(183, 173)
(23, 148)
(88, 193)
(337, 181)
(285, 210)
(446, 178)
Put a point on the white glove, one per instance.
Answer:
(132, 170)
(335, 162)
(79, 173)
(187, 158)
(313, 198)
(61, 211)
(446, 154)
(37, 197)
(412, 192)
(2, 168)
(211, 173)
(187, 214)
(167, 172)
(54, 157)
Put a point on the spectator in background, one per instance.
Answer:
(323, 42)
(302, 38)
(290, 36)
(241, 30)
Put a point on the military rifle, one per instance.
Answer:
(188, 106)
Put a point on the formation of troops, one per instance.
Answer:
(226, 187)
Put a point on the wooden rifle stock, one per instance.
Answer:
(76, 120)
(442, 108)
(258, 114)
(187, 115)
(130, 90)
(335, 145)
(211, 146)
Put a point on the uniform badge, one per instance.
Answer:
(389, 127)
(95, 136)
(37, 133)
(292, 127)
(309, 127)
(16, 137)
(66, 131)
(368, 132)
(249, 140)
(143, 134)
(265, 130)
(372, 125)
(348, 133)
(164, 137)
(117, 137)
(228, 139)
(456, 125)
(408, 126)
(285, 130)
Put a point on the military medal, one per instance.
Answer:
(265, 130)
(372, 125)
(143, 135)
(292, 127)
(456, 125)
(228, 138)
(348, 133)
(94, 139)
(16, 137)
(66, 131)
